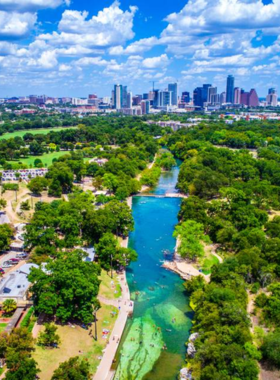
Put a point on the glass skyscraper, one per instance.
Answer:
(173, 87)
(230, 89)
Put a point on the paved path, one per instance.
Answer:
(106, 301)
(125, 308)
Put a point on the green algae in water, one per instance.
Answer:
(141, 349)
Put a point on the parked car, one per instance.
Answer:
(14, 260)
(22, 255)
(6, 264)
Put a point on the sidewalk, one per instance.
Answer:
(125, 308)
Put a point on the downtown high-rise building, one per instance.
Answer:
(185, 98)
(121, 98)
(271, 98)
(145, 107)
(212, 91)
(223, 97)
(237, 95)
(117, 96)
(200, 95)
(230, 89)
(250, 99)
(173, 88)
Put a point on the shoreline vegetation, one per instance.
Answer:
(230, 196)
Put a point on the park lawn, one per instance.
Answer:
(42, 131)
(76, 342)
(46, 158)
(3, 326)
(108, 290)
(208, 262)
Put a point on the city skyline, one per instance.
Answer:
(72, 48)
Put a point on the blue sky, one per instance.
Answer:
(77, 47)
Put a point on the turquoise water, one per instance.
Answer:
(153, 344)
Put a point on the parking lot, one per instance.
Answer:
(6, 257)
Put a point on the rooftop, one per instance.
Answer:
(16, 284)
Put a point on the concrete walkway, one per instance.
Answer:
(125, 306)
(125, 309)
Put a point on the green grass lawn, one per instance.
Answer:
(45, 158)
(42, 131)
(107, 289)
(208, 262)
(76, 342)
(3, 326)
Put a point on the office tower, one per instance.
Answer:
(92, 99)
(129, 100)
(117, 103)
(230, 89)
(156, 100)
(271, 98)
(185, 98)
(151, 95)
(173, 88)
(145, 96)
(244, 99)
(113, 98)
(137, 100)
(222, 97)
(165, 98)
(211, 92)
(197, 97)
(145, 106)
(250, 99)
(237, 95)
(215, 99)
(253, 98)
(124, 97)
(200, 95)
(33, 98)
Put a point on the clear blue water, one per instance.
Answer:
(153, 344)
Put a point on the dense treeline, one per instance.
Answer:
(231, 197)
(240, 134)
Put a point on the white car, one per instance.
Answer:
(7, 265)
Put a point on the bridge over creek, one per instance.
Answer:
(166, 195)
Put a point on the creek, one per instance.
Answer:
(153, 343)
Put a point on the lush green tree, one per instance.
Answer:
(110, 182)
(25, 206)
(9, 306)
(190, 235)
(20, 346)
(271, 348)
(120, 217)
(67, 288)
(3, 203)
(73, 369)
(111, 255)
(49, 336)
(6, 234)
(193, 208)
(37, 185)
(61, 177)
